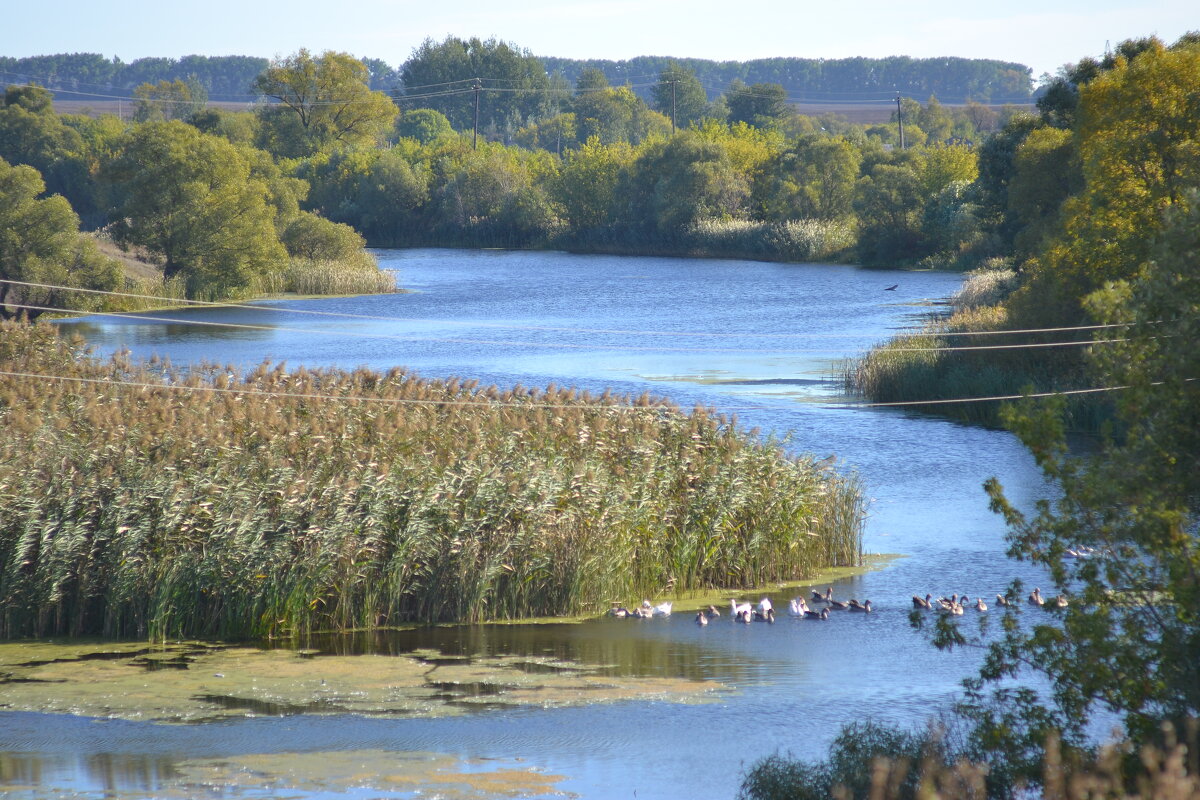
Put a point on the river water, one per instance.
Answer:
(758, 340)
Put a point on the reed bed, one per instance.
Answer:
(794, 240)
(314, 277)
(273, 503)
(910, 368)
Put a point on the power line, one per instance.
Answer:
(560, 329)
(133, 315)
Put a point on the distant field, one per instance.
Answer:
(861, 113)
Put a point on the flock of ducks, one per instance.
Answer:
(763, 611)
(955, 604)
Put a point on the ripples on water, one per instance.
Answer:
(593, 322)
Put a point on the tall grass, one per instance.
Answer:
(132, 510)
(912, 367)
(795, 240)
(313, 277)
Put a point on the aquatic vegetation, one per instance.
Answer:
(137, 500)
(200, 681)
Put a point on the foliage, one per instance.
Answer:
(1129, 639)
(870, 761)
(514, 87)
(679, 95)
(40, 243)
(167, 100)
(322, 102)
(190, 200)
(275, 502)
(813, 178)
(423, 124)
(760, 104)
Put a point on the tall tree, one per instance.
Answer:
(760, 104)
(40, 243)
(169, 100)
(679, 92)
(321, 102)
(514, 88)
(191, 201)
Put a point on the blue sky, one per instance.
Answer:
(1043, 35)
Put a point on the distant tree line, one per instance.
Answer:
(953, 80)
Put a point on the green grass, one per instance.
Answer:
(135, 511)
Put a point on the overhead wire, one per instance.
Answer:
(135, 315)
(510, 326)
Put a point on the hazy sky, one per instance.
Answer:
(1042, 34)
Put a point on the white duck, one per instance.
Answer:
(797, 607)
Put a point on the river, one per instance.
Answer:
(758, 340)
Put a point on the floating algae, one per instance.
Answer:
(379, 772)
(194, 682)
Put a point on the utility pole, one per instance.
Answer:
(900, 119)
(673, 82)
(475, 137)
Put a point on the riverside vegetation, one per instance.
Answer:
(280, 502)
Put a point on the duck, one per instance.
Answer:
(712, 612)
(925, 602)
(1001, 600)
(797, 607)
(823, 598)
(737, 610)
(769, 616)
(701, 620)
(863, 606)
(822, 614)
(765, 607)
(1060, 601)
(660, 610)
(980, 605)
(618, 611)
(839, 605)
(1035, 597)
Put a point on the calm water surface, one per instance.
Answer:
(759, 340)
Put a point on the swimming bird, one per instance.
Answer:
(822, 614)
(764, 606)
(891, 288)
(620, 612)
(1035, 597)
(662, 609)
(1001, 600)
(701, 619)
(1060, 601)
(980, 605)
(739, 610)
(839, 605)
(712, 612)
(925, 602)
(863, 606)
(797, 607)
(817, 597)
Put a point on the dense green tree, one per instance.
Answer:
(239, 127)
(514, 87)
(189, 199)
(424, 125)
(679, 93)
(497, 196)
(320, 103)
(615, 115)
(814, 178)
(1127, 639)
(1045, 172)
(761, 104)
(586, 186)
(40, 243)
(388, 194)
(935, 121)
(31, 133)
(168, 100)
(1139, 149)
(315, 238)
(890, 203)
(678, 182)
